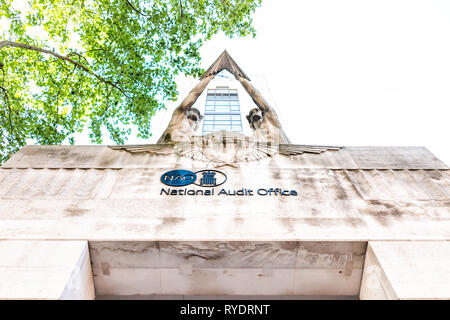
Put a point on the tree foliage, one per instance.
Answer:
(65, 64)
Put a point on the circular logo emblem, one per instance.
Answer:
(210, 178)
(178, 178)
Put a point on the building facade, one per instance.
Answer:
(222, 110)
(223, 215)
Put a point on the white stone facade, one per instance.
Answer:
(361, 219)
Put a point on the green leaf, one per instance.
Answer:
(130, 51)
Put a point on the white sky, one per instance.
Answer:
(353, 72)
(350, 72)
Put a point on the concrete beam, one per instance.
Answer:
(404, 270)
(45, 270)
(227, 268)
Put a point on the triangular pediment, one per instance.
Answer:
(224, 61)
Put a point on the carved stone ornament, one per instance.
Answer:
(224, 147)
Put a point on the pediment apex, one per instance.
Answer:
(224, 61)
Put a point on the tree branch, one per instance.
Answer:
(73, 53)
(181, 8)
(136, 10)
(59, 92)
(4, 75)
(5, 92)
(59, 56)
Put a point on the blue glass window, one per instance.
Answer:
(222, 111)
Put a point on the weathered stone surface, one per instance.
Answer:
(236, 254)
(123, 204)
(105, 157)
(145, 242)
(407, 270)
(227, 268)
(45, 270)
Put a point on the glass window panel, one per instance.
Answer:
(222, 103)
(222, 117)
(222, 127)
(222, 109)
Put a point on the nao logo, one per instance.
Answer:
(202, 178)
(178, 178)
(210, 178)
